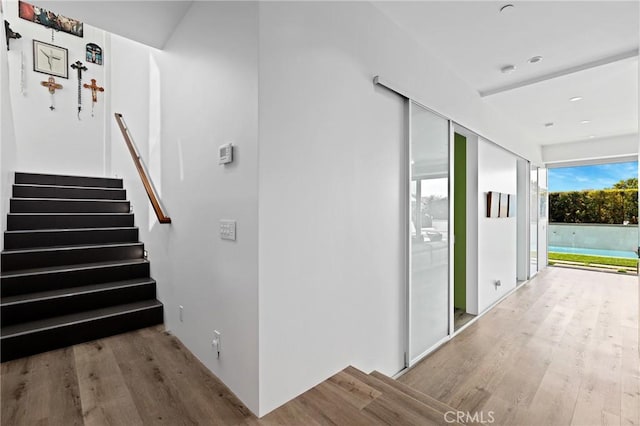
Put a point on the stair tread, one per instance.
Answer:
(21, 176)
(69, 291)
(14, 330)
(75, 267)
(392, 396)
(422, 397)
(70, 247)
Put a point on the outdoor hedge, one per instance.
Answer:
(613, 206)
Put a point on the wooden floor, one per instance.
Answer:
(460, 318)
(145, 377)
(562, 350)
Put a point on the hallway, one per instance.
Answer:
(560, 351)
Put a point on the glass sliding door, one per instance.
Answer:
(428, 303)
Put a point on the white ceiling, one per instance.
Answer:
(476, 40)
(148, 22)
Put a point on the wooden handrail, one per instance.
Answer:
(162, 218)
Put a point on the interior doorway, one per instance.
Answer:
(463, 217)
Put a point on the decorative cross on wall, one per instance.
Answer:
(52, 86)
(9, 33)
(78, 66)
(94, 92)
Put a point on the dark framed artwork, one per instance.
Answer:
(50, 59)
(42, 16)
(493, 204)
(504, 205)
(94, 54)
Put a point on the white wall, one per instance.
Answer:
(7, 135)
(331, 254)
(497, 171)
(55, 141)
(180, 105)
(331, 144)
(600, 148)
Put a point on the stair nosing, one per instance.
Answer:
(67, 214)
(67, 176)
(67, 268)
(71, 247)
(75, 291)
(26, 231)
(67, 186)
(88, 319)
(72, 200)
(400, 387)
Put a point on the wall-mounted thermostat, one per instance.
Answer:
(225, 154)
(228, 229)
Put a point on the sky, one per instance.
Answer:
(590, 177)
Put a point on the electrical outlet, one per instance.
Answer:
(180, 310)
(217, 342)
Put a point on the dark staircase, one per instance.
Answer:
(72, 269)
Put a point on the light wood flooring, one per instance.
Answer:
(460, 318)
(562, 350)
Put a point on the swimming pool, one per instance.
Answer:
(594, 252)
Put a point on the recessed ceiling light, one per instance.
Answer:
(575, 99)
(535, 59)
(507, 8)
(548, 124)
(591, 136)
(585, 121)
(508, 69)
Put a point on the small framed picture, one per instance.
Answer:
(512, 205)
(50, 59)
(493, 204)
(504, 205)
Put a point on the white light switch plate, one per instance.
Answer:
(228, 229)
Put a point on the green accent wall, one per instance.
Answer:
(460, 222)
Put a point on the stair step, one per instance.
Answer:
(68, 192)
(64, 180)
(57, 205)
(35, 306)
(61, 237)
(425, 399)
(13, 260)
(47, 279)
(25, 221)
(19, 340)
(394, 402)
